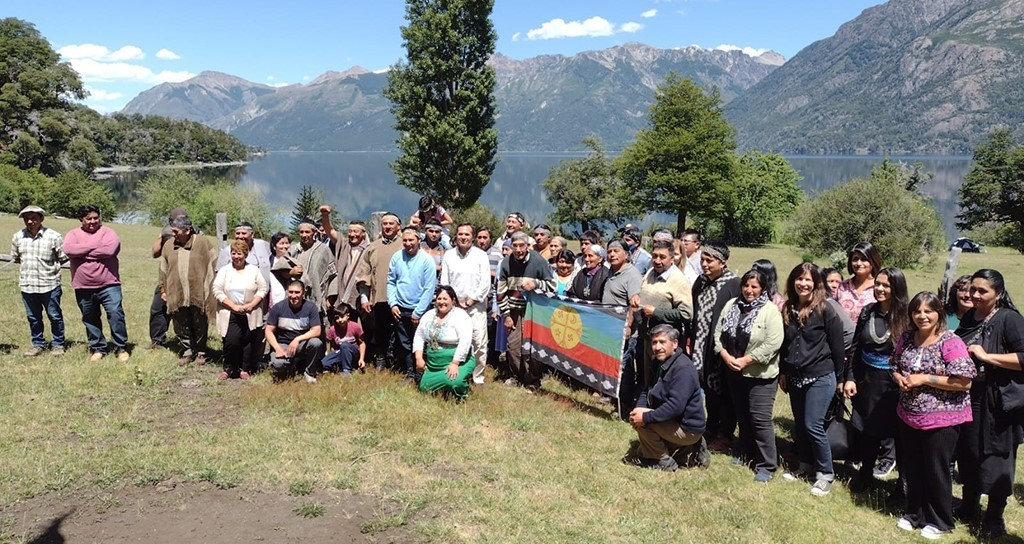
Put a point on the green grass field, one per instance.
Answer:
(503, 467)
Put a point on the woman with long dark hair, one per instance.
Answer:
(869, 375)
(987, 451)
(748, 337)
(862, 262)
(812, 357)
(771, 277)
(933, 372)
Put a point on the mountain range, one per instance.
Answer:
(546, 103)
(904, 77)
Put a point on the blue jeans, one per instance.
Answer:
(342, 359)
(35, 303)
(109, 298)
(405, 330)
(809, 404)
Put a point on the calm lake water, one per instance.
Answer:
(358, 184)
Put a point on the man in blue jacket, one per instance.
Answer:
(669, 418)
(412, 279)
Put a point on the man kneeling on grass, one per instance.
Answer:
(293, 334)
(669, 418)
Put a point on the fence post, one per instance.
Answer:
(222, 229)
(949, 276)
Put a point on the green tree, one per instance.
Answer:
(442, 98)
(307, 206)
(163, 190)
(902, 224)
(993, 190)
(680, 162)
(479, 215)
(36, 91)
(587, 190)
(764, 192)
(72, 190)
(19, 188)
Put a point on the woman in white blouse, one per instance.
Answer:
(240, 290)
(441, 346)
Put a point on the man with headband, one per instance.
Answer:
(515, 222)
(542, 235)
(348, 253)
(715, 286)
(311, 262)
(259, 250)
(372, 281)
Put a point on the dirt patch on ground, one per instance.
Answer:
(172, 512)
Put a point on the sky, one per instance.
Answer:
(123, 47)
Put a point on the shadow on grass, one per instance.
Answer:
(581, 406)
(1018, 492)
(52, 533)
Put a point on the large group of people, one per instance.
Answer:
(933, 383)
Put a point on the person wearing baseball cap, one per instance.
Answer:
(39, 252)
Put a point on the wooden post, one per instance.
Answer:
(949, 276)
(222, 229)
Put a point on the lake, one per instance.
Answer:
(358, 184)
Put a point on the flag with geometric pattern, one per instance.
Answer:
(580, 339)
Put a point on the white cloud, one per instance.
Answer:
(128, 52)
(559, 28)
(649, 13)
(279, 84)
(97, 64)
(167, 54)
(100, 53)
(93, 71)
(100, 94)
(168, 76)
(83, 51)
(515, 37)
(592, 27)
(748, 51)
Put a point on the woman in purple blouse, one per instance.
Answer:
(934, 373)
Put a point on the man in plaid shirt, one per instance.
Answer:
(40, 253)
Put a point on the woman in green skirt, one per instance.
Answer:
(442, 346)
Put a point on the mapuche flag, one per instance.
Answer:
(583, 340)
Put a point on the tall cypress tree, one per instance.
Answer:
(442, 97)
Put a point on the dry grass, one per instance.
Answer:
(503, 467)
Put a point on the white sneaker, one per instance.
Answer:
(904, 523)
(821, 488)
(309, 378)
(932, 532)
(798, 473)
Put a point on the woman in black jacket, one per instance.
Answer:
(589, 281)
(987, 449)
(812, 357)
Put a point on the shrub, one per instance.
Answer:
(164, 190)
(900, 222)
(480, 216)
(74, 189)
(20, 188)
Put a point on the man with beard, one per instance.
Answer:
(372, 282)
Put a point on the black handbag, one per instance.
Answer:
(842, 435)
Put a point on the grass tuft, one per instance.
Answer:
(310, 510)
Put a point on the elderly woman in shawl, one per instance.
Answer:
(589, 281)
(747, 338)
(311, 262)
(186, 279)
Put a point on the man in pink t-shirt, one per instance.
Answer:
(92, 249)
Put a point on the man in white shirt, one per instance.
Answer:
(467, 270)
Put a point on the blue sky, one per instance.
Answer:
(123, 47)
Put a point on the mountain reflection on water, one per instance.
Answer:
(358, 184)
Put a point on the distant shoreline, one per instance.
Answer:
(107, 171)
